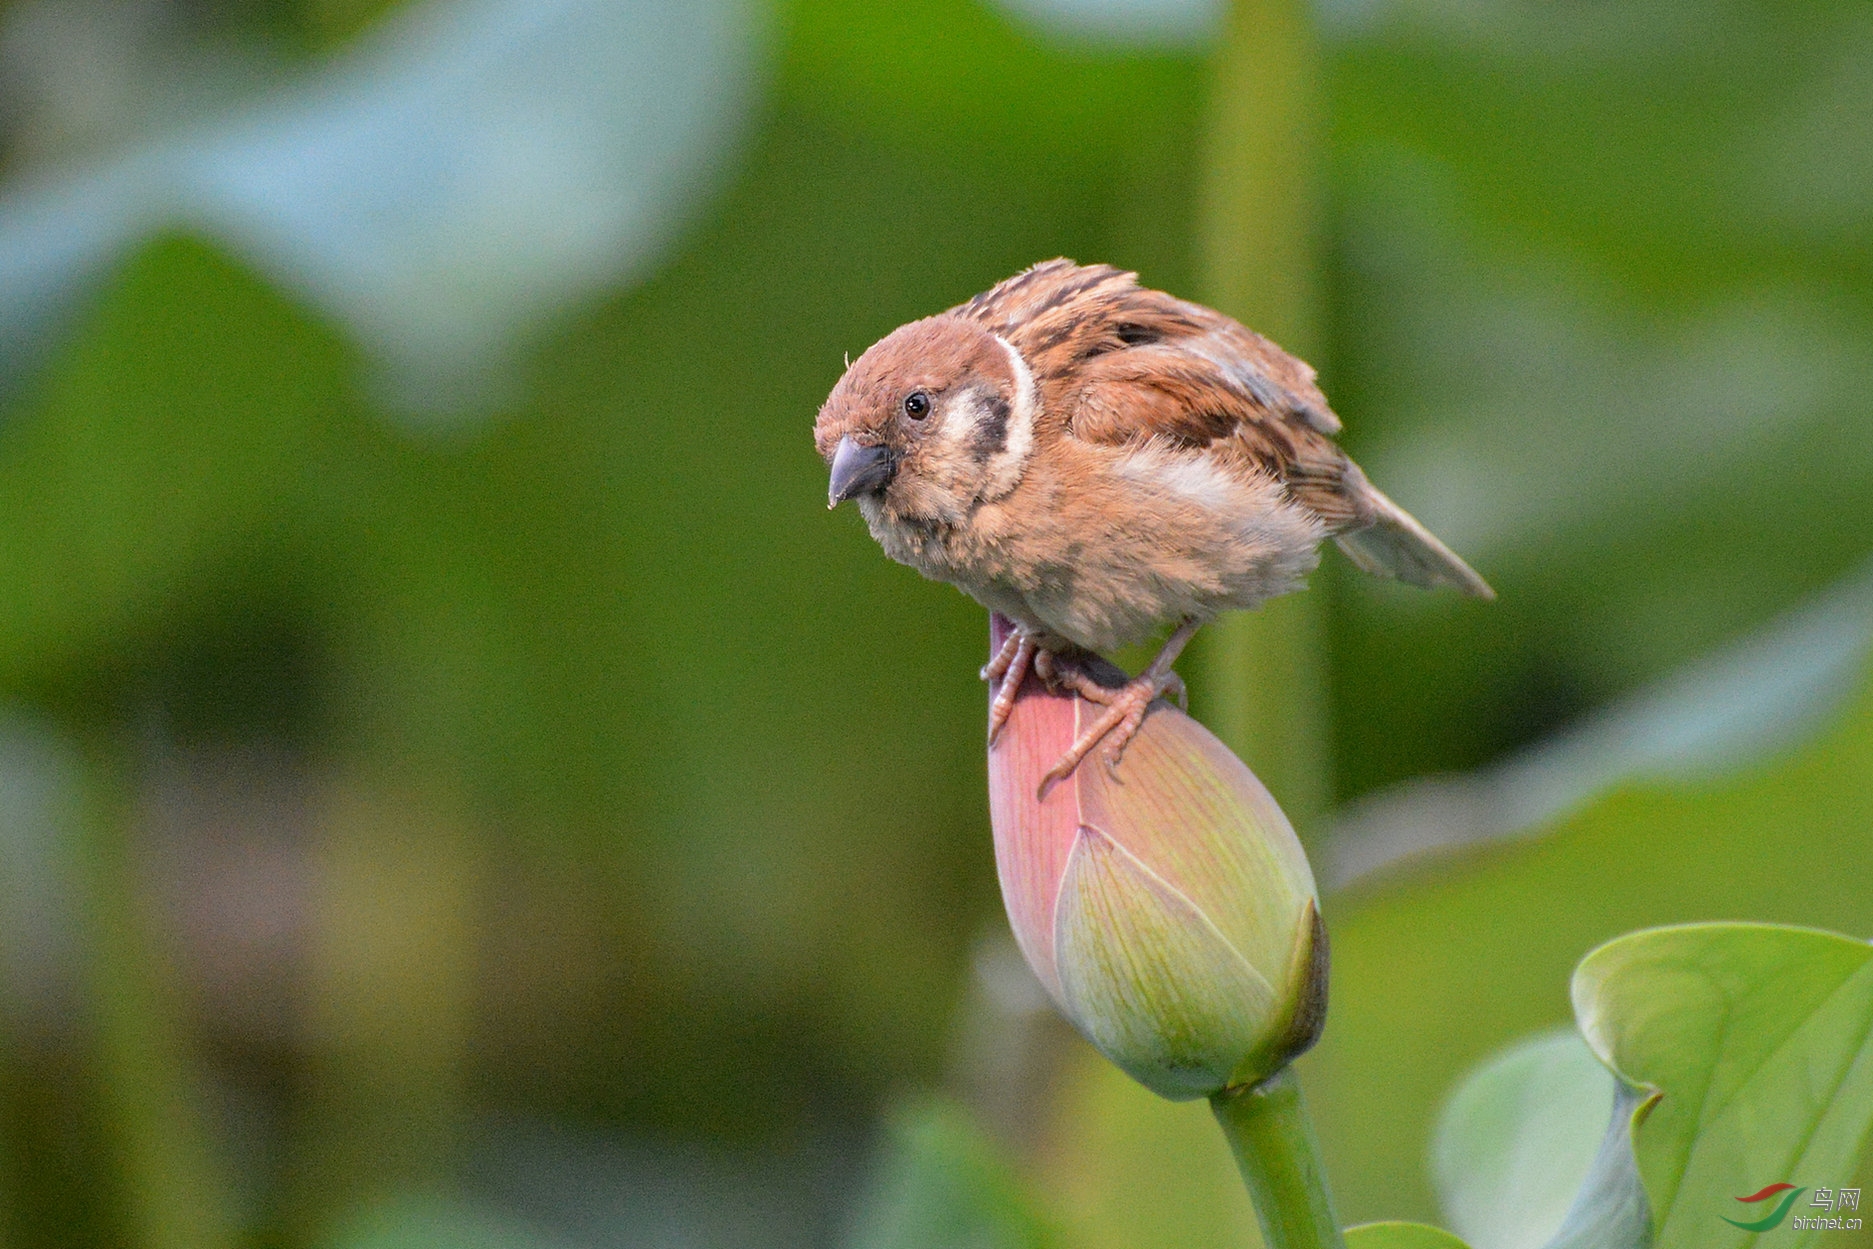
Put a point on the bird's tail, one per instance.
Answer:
(1396, 545)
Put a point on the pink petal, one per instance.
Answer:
(1033, 837)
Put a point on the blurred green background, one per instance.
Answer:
(458, 786)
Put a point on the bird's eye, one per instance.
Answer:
(916, 405)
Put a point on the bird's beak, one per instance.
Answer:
(858, 470)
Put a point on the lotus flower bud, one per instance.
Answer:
(1167, 908)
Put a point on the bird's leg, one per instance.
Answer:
(1125, 706)
(1010, 667)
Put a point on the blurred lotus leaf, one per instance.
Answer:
(1743, 1053)
(1517, 1138)
(1746, 703)
(469, 170)
(1526, 1156)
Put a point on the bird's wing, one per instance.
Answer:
(1062, 315)
(1119, 364)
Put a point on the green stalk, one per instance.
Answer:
(1258, 680)
(1259, 233)
(175, 1194)
(1273, 1141)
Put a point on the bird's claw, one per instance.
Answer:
(1125, 711)
(1010, 667)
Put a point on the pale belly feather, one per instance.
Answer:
(1155, 538)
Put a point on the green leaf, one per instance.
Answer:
(1759, 1041)
(1400, 1236)
(945, 1185)
(1518, 1138)
(1487, 940)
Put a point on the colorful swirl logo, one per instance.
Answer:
(1775, 1217)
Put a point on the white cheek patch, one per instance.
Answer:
(958, 428)
(1004, 467)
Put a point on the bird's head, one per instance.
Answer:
(933, 419)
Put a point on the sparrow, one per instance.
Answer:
(1096, 461)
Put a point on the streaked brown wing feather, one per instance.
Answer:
(1122, 363)
(1147, 366)
(1118, 363)
(1164, 394)
(1061, 314)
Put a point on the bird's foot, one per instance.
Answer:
(1010, 666)
(1125, 708)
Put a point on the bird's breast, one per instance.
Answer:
(1107, 546)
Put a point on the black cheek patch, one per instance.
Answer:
(991, 432)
